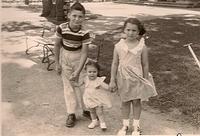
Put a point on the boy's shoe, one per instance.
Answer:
(136, 131)
(103, 126)
(122, 131)
(93, 124)
(71, 119)
(87, 114)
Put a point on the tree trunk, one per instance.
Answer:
(53, 11)
(59, 10)
(26, 2)
(47, 6)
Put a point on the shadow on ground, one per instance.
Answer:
(18, 26)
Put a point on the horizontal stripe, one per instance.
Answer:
(67, 43)
(72, 37)
(86, 36)
(67, 31)
(70, 48)
(71, 41)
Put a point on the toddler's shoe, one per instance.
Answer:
(136, 131)
(93, 124)
(122, 131)
(103, 126)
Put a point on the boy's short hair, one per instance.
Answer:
(136, 22)
(78, 6)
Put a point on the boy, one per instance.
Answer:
(71, 49)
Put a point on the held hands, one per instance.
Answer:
(112, 86)
(98, 87)
(74, 76)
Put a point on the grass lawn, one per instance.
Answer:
(177, 76)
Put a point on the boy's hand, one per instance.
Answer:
(112, 86)
(58, 69)
(74, 76)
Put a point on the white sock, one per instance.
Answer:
(103, 125)
(136, 123)
(125, 122)
(94, 120)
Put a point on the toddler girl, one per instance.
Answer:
(95, 96)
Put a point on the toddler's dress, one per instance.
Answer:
(130, 81)
(96, 93)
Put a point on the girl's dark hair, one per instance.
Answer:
(135, 21)
(78, 6)
(92, 63)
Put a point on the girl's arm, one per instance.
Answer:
(57, 47)
(145, 62)
(114, 67)
(84, 53)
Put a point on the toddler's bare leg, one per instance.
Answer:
(93, 113)
(100, 114)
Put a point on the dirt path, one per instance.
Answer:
(32, 97)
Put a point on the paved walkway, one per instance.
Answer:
(125, 10)
(113, 14)
(32, 98)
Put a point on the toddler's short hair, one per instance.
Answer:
(93, 63)
(78, 6)
(137, 22)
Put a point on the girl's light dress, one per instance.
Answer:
(96, 93)
(130, 81)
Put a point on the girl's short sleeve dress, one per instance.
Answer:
(130, 81)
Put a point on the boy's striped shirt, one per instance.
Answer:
(72, 39)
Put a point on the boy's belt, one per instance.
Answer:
(71, 48)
